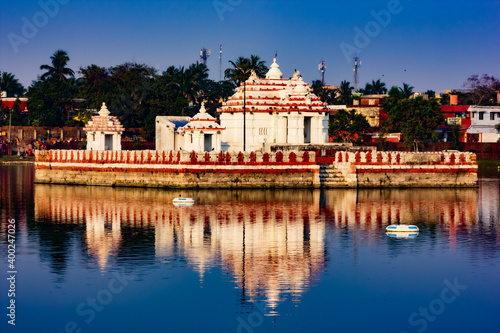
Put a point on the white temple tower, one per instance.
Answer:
(278, 111)
(104, 132)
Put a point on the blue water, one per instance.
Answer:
(95, 259)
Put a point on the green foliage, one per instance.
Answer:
(327, 95)
(243, 67)
(375, 88)
(497, 127)
(416, 118)
(456, 134)
(347, 126)
(11, 85)
(345, 93)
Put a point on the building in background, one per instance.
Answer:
(483, 124)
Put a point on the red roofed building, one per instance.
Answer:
(456, 115)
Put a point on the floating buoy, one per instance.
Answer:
(183, 202)
(402, 231)
(402, 228)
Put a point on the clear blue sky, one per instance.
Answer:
(438, 43)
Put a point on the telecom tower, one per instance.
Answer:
(204, 54)
(357, 64)
(220, 63)
(322, 69)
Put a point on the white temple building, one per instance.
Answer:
(269, 111)
(198, 133)
(104, 132)
(277, 111)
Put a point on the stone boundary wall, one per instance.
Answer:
(406, 169)
(153, 157)
(177, 169)
(151, 168)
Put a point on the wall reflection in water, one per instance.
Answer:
(272, 243)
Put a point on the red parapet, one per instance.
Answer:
(279, 157)
(292, 157)
(305, 157)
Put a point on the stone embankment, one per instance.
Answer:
(182, 169)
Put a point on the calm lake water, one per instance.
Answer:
(95, 259)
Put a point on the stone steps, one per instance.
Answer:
(331, 177)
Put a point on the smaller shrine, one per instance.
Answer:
(198, 133)
(104, 132)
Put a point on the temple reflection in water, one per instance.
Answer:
(273, 243)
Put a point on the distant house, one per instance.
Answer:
(455, 115)
(483, 121)
(370, 106)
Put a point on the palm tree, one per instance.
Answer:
(378, 87)
(243, 67)
(406, 91)
(58, 71)
(11, 85)
(189, 81)
(345, 92)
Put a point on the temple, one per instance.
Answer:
(198, 133)
(273, 110)
(261, 113)
(104, 132)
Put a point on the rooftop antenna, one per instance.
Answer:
(204, 54)
(357, 64)
(322, 69)
(220, 62)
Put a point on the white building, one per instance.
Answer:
(483, 121)
(104, 132)
(277, 111)
(198, 133)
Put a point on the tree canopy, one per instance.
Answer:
(416, 118)
(243, 67)
(347, 126)
(483, 88)
(11, 85)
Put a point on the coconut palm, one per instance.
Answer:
(58, 71)
(243, 67)
(378, 87)
(406, 91)
(190, 81)
(11, 85)
(345, 92)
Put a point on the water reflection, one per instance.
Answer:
(273, 244)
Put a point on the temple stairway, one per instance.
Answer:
(330, 177)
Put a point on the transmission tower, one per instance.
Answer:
(204, 54)
(357, 65)
(220, 62)
(322, 69)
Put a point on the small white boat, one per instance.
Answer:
(402, 228)
(183, 202)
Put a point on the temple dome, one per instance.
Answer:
(274, 72)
